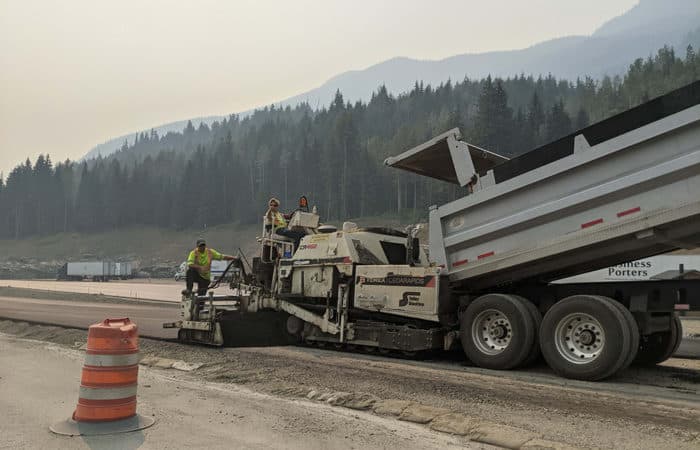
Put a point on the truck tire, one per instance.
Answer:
(497, 331)
(537, 321)
(658, 347)
(585, 337)
(634, 333)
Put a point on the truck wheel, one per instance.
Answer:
(497, 331)
(537, 321)
(585, 337)
(658, 347)
(634, 333)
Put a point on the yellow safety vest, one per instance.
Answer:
(278, 220)
(203, 259)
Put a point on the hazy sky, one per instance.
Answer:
(75, 73)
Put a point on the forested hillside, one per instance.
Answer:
(226, 172)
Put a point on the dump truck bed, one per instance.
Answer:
(620, 190)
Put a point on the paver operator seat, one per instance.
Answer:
(274, 244)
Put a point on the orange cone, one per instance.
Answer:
(107, 399)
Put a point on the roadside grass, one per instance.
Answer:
(148, 245)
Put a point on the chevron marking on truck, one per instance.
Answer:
(629, 211)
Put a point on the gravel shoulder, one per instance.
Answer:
(188, 413)
(642, 408)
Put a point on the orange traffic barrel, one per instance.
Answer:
(109, 380)
(110, 374)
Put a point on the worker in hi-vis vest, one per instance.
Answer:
(274, 218)
(199, 266)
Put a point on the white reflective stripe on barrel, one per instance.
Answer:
(111, 360)
(89, 393)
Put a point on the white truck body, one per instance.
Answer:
(654, 268)
(580, 204)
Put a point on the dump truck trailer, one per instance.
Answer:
(622, 189)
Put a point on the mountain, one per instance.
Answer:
(652, 16)
(641, 31)
(109, 147)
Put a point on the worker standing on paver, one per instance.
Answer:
(199, 266)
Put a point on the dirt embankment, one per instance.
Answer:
(28, 268)
(155, 252)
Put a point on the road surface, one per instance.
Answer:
(689, 348)
(165, 290)
(81, 314)
(640, 408)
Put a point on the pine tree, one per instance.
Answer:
(558, 122)
(493, 124)
(582, 119)
(535, 121)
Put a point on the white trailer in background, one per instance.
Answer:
(95, 270)
(623, 189)
(123, 270)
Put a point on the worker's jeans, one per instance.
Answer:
(291, 234)
(202, 283)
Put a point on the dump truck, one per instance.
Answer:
(622, 189)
